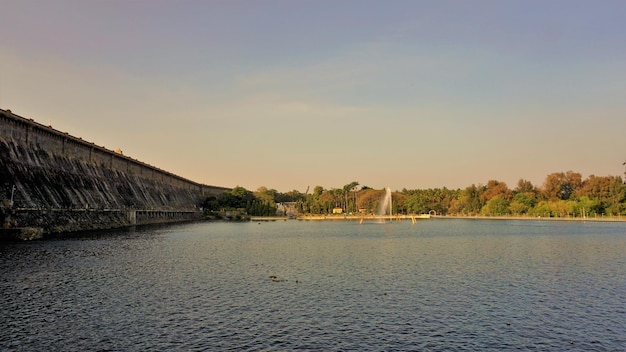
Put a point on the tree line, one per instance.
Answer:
(562, 194)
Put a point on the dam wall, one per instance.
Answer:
(57, 182)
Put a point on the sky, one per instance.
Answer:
(290, 94)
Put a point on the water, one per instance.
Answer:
(385, 204)
(441, 285)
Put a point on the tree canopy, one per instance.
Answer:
(562, 194)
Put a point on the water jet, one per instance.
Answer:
(385, 204)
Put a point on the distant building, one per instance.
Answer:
(337, 210)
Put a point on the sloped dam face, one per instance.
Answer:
(51, 182)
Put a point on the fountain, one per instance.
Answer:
(385, 205)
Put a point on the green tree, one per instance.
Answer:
(244, 200)
(227, 200)
(562, 208)
(609, 191)
(211, 204)
(317, 191)
(542, 209)
(398, 203)
(242, 195)
(337, 194)
(266, 195)
(313, 200)
(522, 203)
(424, 201)
(496, 206)
(417, 203)
(291, 196)
(469, 201)
(349, 191)
(587, 207)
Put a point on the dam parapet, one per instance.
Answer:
(57, 182)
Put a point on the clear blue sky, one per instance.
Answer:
(288, 94)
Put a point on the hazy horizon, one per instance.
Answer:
(290, 95)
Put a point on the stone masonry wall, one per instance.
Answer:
(60, 182)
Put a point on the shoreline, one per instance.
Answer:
(538, 218)
(416, 217)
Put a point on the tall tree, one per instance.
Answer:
(350, 190)
(317, 191)
(469, 201)
(266, 195)
(496, 188)
(609, 191)
(561, 186)
(398, 203)
(337, 194)
(524, 186)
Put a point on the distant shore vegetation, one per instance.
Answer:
(562, 194)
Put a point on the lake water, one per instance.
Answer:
(439, 285)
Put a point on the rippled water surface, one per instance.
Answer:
(439, 285)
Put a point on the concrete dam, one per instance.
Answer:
(52, 182)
